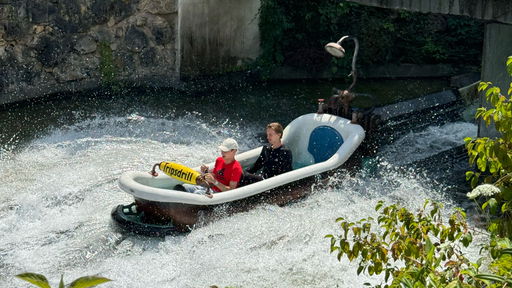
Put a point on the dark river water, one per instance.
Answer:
(60, 159)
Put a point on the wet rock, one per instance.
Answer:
(76, 67)
(159, 7)
(38, 29)
(135, 39)
(125, 60)
(148, 57)
(85, 45)
(104, 9)
(2, 52)
(465, 79)
(26, 73)
(15, 72)
(14, 30)
(103, 34)
(162, 33)
(141, 21)
(41, 11)
(65, 25)
(51, 50)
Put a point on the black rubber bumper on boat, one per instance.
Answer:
(127, 218)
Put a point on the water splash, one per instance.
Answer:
(433, 140)
(57, 193)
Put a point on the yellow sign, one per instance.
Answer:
(180, 172)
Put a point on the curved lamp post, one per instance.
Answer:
(336, 50)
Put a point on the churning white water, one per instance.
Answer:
(434, 139)
(57, 192)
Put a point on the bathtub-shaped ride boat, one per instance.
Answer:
(319, 143)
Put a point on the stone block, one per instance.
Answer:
(85, 45)
(135, 39)
(159, 7)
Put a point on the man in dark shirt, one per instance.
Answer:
(274, 158)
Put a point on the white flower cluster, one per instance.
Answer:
(486, 190)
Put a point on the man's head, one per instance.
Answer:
(228, 144)
(228, 149)
(274, 134)
(277, 128)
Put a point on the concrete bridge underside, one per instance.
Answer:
(494, 10)
(497, 38)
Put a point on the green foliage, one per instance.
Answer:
(107, 68)
(493, 157)
(500, 250)
(421, 241)
(82, 282)
(293, 33)
(416, 250)
(273, 26)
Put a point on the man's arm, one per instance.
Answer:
(259, 162)
(286, 161)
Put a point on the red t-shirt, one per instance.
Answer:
(225, 173)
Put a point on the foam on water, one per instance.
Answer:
(435, 139)
(56, 195)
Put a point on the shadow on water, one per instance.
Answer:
(245, 102)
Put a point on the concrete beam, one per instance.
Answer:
(495, 10)
(217, 36)
(497, 48)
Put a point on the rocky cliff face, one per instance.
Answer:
(50, 46)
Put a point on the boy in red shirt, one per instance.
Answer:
(227, 171)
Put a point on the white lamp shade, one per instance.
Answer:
(335, 50)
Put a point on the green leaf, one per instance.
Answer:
(407, 283)
(36, 279)
(491, 277)
(493, 205)
(481, 163)
(493, 227)
(480, 146)
(453, 284)
(88, 281)
(378, 267)
(356, 248)
(371, 270)
(360, 269)
(467, 239)
(340, 254)
(430, 249)
(504, 207)
(364, 253)
(483, 85)
(474, 181)
(509, 65)
(379, 205)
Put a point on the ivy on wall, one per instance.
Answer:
(293, 33)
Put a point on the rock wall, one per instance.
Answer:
(50, 46)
